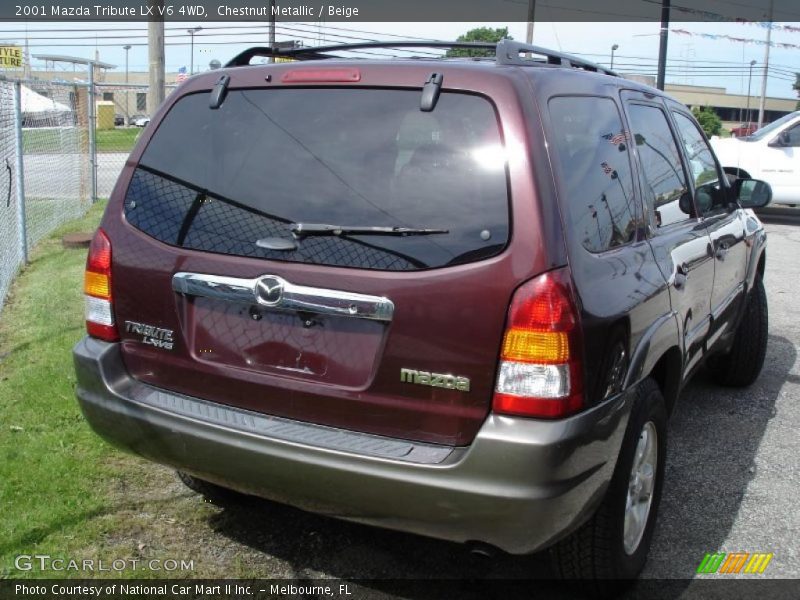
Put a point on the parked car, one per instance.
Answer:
(119, 120)
(138, 120)
(455, 298)
(771, 154)
(744, 129)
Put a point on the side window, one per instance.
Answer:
(597, 185)
(794, 136)
(664, 184)
(709, 196)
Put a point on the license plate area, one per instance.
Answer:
(301, 345)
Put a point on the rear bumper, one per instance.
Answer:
(521, 485)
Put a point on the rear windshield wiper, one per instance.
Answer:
(308, 229)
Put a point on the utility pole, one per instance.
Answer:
(127, 49)
(155, 52)
(662, 45)
(763, 100)
(272, 28)
(531, 11)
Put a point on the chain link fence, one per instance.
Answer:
(45, 167)
(62, 147)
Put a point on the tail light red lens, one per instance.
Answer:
(540, 371)
(97, 290)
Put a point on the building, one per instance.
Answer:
(731, 108)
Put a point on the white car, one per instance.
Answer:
(141, 122)
(772, 153)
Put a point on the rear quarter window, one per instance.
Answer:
(595, 182)
(219, 180)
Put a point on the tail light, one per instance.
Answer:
(97, 288)
(540, 371)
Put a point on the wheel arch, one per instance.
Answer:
(666, 372)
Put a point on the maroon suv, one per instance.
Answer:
(451, 297)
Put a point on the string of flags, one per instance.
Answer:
(733, 38)
(704, 15)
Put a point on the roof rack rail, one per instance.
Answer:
(507, 52)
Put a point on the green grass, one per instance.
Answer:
(51, 465)
(64, 492)
(117, 140)
(46, 140)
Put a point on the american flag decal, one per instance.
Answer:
(182, 76)
(616, 139)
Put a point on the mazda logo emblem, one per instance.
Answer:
(269, 290)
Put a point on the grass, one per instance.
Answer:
(48, 461)
(45, 140)
(63, 491)
(117, 140)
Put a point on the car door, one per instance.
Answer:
(678, 236)
(780, 165)
(724, 221)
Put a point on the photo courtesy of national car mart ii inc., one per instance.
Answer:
(181, 590)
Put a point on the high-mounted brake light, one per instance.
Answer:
(540, 371)
(97, 288)
(322, 75)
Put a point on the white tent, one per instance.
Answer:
(36, 103)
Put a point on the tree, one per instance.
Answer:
(480, 34)
(708, 119)
(796, 88)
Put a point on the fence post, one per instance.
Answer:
(20, 172)
(92, 133)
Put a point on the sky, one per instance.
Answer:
(692, 59)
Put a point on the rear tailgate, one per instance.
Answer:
(215, 297)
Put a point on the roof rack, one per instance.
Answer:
(507, 52)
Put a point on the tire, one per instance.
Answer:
(210, 491)
(742, 364)
(598, 553)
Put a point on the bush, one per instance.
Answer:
(708, 119)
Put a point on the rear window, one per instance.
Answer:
(221, 180)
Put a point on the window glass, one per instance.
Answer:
(794, 136)
(664, 183)
(222, 180)
(709, 196)
(597, 185)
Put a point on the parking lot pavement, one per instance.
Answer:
(732, 482)
(41, 181)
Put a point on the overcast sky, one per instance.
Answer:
(692, 59)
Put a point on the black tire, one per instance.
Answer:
(210, 491)
(595, 553)
(742, 364)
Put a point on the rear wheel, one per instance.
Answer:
(742, 364)
(613, 545)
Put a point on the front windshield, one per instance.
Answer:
(771, 128)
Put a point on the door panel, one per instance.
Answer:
(724, 223)
(679, 239)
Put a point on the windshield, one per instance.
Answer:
(768, 130)
(219, 180)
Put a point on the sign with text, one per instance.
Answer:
(10, 57)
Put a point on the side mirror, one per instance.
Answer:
(685, 204)
(752, 193)
(781, 140)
